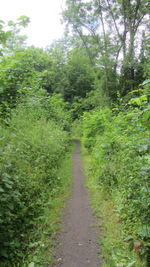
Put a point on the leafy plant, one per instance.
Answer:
(120, 151)
(32, 149)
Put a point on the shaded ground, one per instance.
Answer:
(78, 242)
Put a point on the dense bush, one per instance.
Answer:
(23, 69)
(120, 151)
(94, 124)
(31, 149)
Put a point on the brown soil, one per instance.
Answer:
(78, 242)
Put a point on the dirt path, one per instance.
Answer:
(79, 238)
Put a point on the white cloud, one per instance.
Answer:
(45, 17)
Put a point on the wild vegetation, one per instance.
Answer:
(94, 81)
(119, 168)
(32, 149)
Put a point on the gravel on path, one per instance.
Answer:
(78, 241)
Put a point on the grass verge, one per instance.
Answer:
(41, 251)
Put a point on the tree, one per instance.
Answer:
(23, 69)
(72, 72)
(11, 40)
(4, 35)
(80, 75)
(115, 27)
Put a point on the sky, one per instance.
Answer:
(45, 25)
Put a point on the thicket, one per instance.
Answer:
(119, 143)
(34, 141)
(33, 146)
(97, 71)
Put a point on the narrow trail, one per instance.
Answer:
(78, 243)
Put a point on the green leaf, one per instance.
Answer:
(32, 264)
(132, 264)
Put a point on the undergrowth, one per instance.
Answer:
(114, 251)
(33, 149)
(119, 147)
(41, 249)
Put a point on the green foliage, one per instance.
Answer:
(93, 124)
(41, 248)
(42, 92)
(32, 69)
(80, 75)
(25, 69)
(120, 151)
(32, 149)
(113, 47)
(3, 36)
(10, 39)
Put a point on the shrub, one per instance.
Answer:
(31, 151)
(120, 152)
(94, 124)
